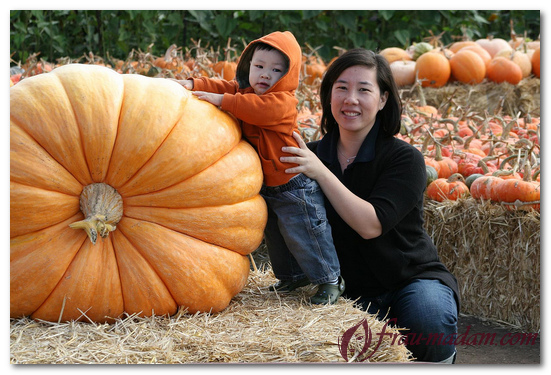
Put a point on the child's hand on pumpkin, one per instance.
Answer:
(187, 83)
(210, 97)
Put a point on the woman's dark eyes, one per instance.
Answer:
(345, 88)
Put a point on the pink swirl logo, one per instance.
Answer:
(355, 342)
(352, 339)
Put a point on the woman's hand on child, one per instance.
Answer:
(308, 162)
(210, 97)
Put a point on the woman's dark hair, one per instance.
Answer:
(390, 115)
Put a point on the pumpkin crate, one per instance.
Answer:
(495, 255)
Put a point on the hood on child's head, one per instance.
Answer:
(286, 43)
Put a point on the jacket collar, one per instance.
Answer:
(327, 149)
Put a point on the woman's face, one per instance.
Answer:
(356, 99)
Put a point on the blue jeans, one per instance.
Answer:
(298, 235)
(427, 309)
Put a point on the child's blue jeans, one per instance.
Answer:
(298, 235)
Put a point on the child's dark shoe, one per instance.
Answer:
(285, 286)
(328, 293)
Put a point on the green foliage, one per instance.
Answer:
(116, 33)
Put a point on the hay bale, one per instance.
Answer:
(495, 255)
(258, 326)
(494, 98)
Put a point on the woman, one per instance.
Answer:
(374, 187)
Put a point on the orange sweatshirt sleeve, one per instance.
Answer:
(272, 109)
(218, 86)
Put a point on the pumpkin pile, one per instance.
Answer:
(127, 195)
(493, 158)
(469, 62)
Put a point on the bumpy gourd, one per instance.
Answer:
(127, 195)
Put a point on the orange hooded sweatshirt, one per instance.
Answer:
(268, 120)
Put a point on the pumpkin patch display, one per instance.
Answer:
(127, 195)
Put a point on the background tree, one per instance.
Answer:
(72, 33)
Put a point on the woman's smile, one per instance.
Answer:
(351, 114)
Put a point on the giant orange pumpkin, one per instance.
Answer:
(167, 188)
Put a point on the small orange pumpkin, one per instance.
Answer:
(169, 60)
(457, 46)
(312, 69)
(392, 54)
(536, 62)
(445, 166)
(161, 182)
(474, 163)
(502, 69)
(519, 58)
(484, 187)
(522, 194)
(468, 67)
(432, 69)
(484, 55)
(451, 188)
(225, 69)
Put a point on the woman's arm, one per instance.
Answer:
(359, 214)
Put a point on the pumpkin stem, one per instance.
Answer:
(482, 164)
(438, 154)
(102, 207)
(456, 177)
(527, 175)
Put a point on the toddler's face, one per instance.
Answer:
(267, 67)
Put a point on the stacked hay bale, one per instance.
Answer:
(495, 255)
(486, 97)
